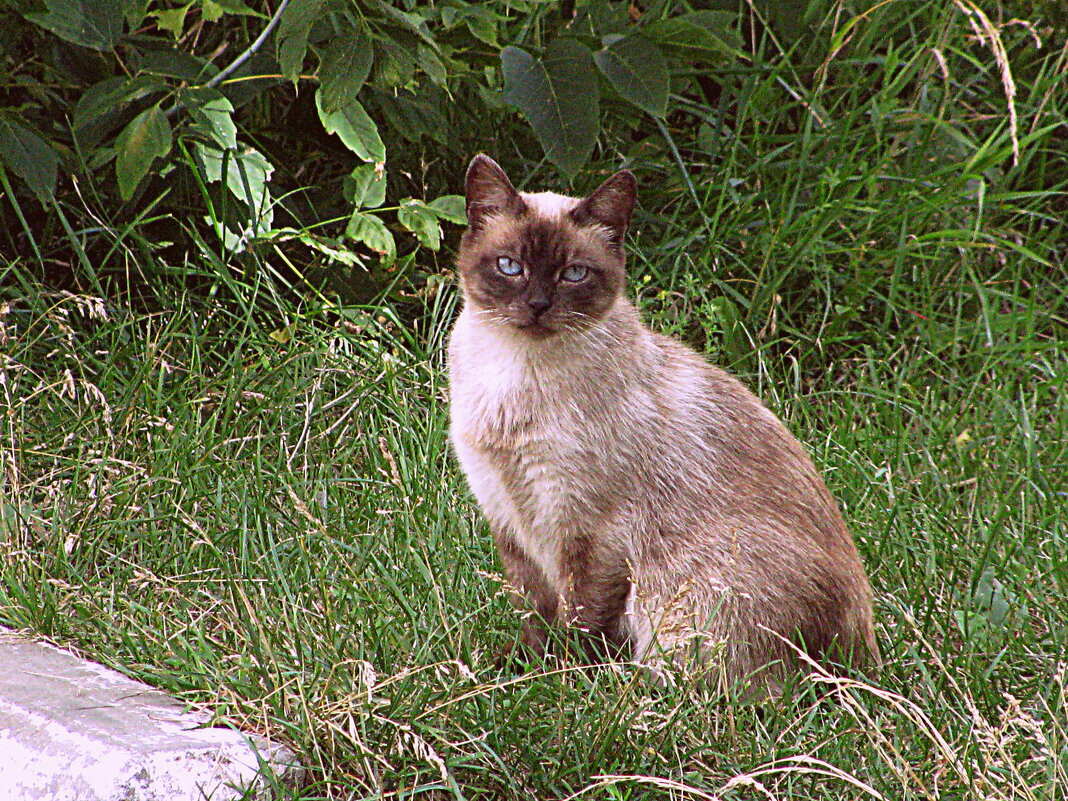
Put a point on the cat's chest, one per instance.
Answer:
(501, 397)
(527, 439)
(518, 434)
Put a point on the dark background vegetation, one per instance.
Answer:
(225, 285)
(130, 167)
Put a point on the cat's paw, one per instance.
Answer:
(529, 648)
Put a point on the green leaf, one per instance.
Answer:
(394, 66)
(451, 208)
(172, 20)
(133, 11)
(87, 23)
(109, 95)
(607, 17)
(346, 63)
(708, 138)
(371, 231)
(246, 176)
(421, 220)
(211, 113)
(148, 135)
(366, 186)
(482, 23)
(355, 128)
(407, 20)
(328, 247)
(699, 35)
(237, 7)
(431, 64)
(559, 95)
(292, 35)
(637, 70)
(170, 62)
(247, 172)
(210, 11)
(414, 115)
(29, 156)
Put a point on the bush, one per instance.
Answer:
(137, 126)
(321, 143)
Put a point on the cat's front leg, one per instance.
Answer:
(530, 590)
(598, 584)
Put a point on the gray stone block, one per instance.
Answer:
(72, 730)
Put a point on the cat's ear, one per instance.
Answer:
(609, 206)
(489, 192)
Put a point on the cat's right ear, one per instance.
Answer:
(489, 192)
(610, 206)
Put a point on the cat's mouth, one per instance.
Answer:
(536, 329)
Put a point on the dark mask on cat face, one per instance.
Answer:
(542, 264)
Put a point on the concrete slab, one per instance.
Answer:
(72, 730)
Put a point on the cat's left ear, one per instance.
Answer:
(609, 206)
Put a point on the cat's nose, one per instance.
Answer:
(538, 303)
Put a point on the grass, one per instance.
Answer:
(248, 499)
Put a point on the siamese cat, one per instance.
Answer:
(635, 492)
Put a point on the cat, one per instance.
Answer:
(635, 492)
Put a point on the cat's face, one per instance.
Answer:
(542, 264)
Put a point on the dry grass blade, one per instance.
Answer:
(804, 765)
(987, 32)
(601, 782)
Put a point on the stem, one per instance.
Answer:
(678, 161)
(252, 48)
(22, 219)
(234, 65)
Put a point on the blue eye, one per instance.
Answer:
(508, 266)
(574, 272)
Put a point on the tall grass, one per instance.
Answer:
(246, 496)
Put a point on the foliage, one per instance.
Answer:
(228, 476)
(123, 119)
(133, 133)
(126, 99)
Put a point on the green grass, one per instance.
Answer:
(246, 497)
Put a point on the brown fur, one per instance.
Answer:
(634, 490)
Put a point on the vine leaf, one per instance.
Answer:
(366, 186)
(346, 63)
(211, 113)
(707, 36)
(637, 70)
(559, 95)
(171, 20)
(148, 135)
(451, 208)
(482, 23)
(354, 127)
(293, 30)
(111, 94)
(371, 231)
(247, 173)
(28, 156)
(421, 220)
(87, 23)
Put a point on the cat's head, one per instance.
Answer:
(542, 264)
